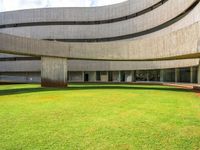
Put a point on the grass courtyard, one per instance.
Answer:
(99, 117)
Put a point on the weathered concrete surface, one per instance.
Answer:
(146, 21)
(54, 72)
(198, 75)
(76, 13)
(178, 41)
(181, 44)
(87, 65)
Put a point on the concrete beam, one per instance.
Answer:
(53, 72)
(181, 44)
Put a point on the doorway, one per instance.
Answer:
(86, 77)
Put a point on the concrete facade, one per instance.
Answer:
(138, 40)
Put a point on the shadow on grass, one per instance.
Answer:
(93, 87)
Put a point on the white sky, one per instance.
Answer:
(7, 5)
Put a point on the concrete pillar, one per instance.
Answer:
(133, 76)
(119, 76)
(104, 76)
(191, 74)
(198, 74)
(177, 74)
(92, 76)
(161, 75)
(53, 72)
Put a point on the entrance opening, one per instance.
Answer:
(123, 76)
(86, 77)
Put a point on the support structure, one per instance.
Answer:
(161, 75)
(177, 75)
(133, 76)
(119, 76)
(191, 74)
(198, 74)
(53, 72)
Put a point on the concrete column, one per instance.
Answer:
(133, 76)
(119, 76)
(198, 74)
(53, 72)
(161, 75)
(191, 74)
(104, 77)
(177, 74)
(92, 76)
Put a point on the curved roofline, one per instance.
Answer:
(113, 20)
(114, 4)
(138, 34)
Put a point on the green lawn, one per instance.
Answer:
(99, 117)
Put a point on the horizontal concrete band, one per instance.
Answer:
(77, 13)
(27, 24)
(105, 37)
(20, 58)
(86, 65)
(134, 35)
(181, 44)
(142, 23)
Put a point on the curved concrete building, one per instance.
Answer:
(133, 41)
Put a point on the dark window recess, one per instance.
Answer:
(123, 76)
(19, 58)
(98, 76)
(141, 75)
(110, 76)
(86, 77)
(184, 75)
(169, 75)
(154, 75)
